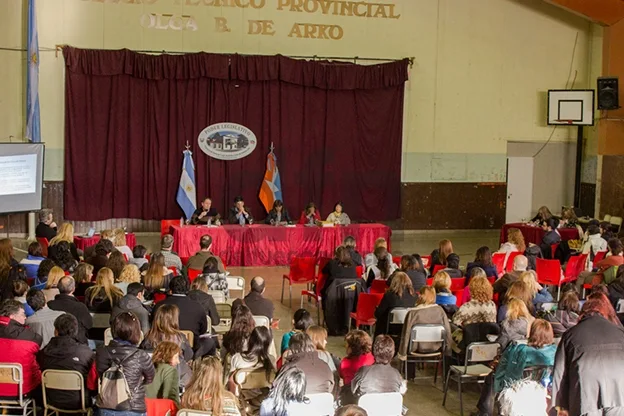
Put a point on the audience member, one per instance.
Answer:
(199, 293)
(566, 315)
(171, 258)
(42, 273)
(439, 255)
(7, 253)
(370, 259)
(310, 215)
(104, 235)
(517, 323)
(198, 260)
(215, 279)
(452, 266)
(100, 255)
(340, 267)
(302, 320)
(522, 398)
(288, 395)
(515, 242)
(350, 244)
(605, 267)
(616, 289)
(42, 321)
(414, 270)
(119, 241)
(236, 339)
(58, 252)
(382, 269)
(157, 277)
(501, 286)
(380, 377)
(62, 256)
(83, 276)
(518, 290)
(138, 369)
(51, 286)
(191, 318)
(133, 302)
(46, 227)
(20, 288)
(359, 345)
(64, 352)
(66, 302)
(255, 300)
(138, 256)
(318, 335)
(206, 392)
(19, 344)
(539, 294)
(480, 308)
(104, 295)
(442, 286)
(116, 262)
(593, 243)
(401, 294)
(483, 259)
(129, 274)
(425, 312)
(303, 355)
(539, 351)
(350, 410)
(34, 258)
(587, 376)
(165, 384)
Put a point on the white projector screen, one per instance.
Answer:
(21, 176)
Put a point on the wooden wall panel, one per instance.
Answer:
(612, 187)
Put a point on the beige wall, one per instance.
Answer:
(481, 66)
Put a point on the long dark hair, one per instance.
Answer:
(343, 256)
(258, 348)
(242, 327)
(116, 262)
(289, 386)
(63, 257)
(382, 261)
(484, 256)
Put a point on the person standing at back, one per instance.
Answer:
(46, 227)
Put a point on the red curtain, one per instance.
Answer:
(336, 128)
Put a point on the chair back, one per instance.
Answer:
(217, 295)
(159, 296)
(190, 336)
(62, 380)
(184, 260)
(322, 403)
(44, 245)
(193, 274)
(607, 218)
(397, 315)
(426, 260)
(427, 333)
(510, 260)
(553, 250)
(253, 378)
(359, 271)
(396, 260)
(617, 221)
(548, 271)
(12, 373)
(459, 296)
(429, 281)
(576, 264)
(491, 279)
(458, 283)
(209, 326)
(498, 259)
(367, 303)
(437, 268)
(108, 336)
(166, 224)
(262, 321)
(302, 269)
(599, 256)
(236, 283)
(175, 270)
(481, 352)
(101, 320)
(379, 286)
(382, 404)
(225, 313)
(190, 412)
(160, 407)
(322, 262)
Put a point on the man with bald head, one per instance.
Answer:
(520, 265)
(258, 304)
(66, 302)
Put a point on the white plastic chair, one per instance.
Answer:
(217, 295)
(473, 371)
(262, 321)
(63, 380)
(396, 317)
(617, 221)
(12, 373)
(236, 283)
(382, 404)
(322, 403)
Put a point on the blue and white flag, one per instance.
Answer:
(187, 196)
(33, 119)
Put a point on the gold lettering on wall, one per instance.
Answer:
(315, 31)
(221, 25)
(261, 27)
(165, 21)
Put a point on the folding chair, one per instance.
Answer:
(262, 321)
(616, 224)
(302, 271)
(251, 386)
(44, 245)
(217, 295)
(236, 283)
(322, 403)
(396, 317)
(472, 371)
(12, 373)
(427, 333)
(63, 380)
(209, 322)
(225, 313)
(190, 336)
(382, 404)
(365, 311)
(619, 308)
(315, 294)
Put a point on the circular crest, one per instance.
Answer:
(227, 141)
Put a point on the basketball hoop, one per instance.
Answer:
(565, 121)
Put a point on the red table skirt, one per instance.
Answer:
(83, 242)
(266, 245)
(535, 234)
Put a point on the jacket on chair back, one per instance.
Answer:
(19, 345)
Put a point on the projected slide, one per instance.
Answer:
(18, 174)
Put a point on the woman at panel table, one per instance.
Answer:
(543, 215)
(339, 216)
(278, 215)
(310, 215)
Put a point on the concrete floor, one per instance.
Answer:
(423, 397)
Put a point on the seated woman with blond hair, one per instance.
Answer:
(517, 323)
(119, 241)
(444, 297)
(157, 277)
(104, 295)
(65, 233)
(515, 242)
(539, 293)
(51, 286)
(480, 307)
(129, 274)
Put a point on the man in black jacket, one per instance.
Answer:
(46, 227)
(133, 303)
(257, 304)
(192, 316)
(66, 302)
(64, 352)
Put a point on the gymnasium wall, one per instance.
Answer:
(479, 78)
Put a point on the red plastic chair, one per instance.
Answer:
(322, 263)
(426, 260)
(437, 268)
(396, 260)
(174, 270)
(553, 249)
(599, 256)
(499, 262)
(458, 283)
(166, 224)
(365, 312)
(302, 271)
(459, 294)
(379, 286)
(359, 271)
(430, 281)
(549, 273)
(192, 274)
(159, 297)
(44, 245)
(491, 279)
(510, 260)
(160, 407)
(184, 260)
(125, 257)
(575, 266)
(316, 295)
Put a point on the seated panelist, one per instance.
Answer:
(310, 215)
(339, 217)
(239, 214)
(278, 215)
(205, 213)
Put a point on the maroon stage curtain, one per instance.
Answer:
(336, 127)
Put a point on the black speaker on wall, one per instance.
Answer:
(608, 93)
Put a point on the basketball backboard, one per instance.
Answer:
(571, 107)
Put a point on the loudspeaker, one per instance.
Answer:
(608, 93)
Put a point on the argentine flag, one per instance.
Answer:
(33, 119)
(187, 196)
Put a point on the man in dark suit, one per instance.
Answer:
(192, 316)
(257, 304)
(238, 213)
(206, 212)
(46, 227)
(66, 302)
